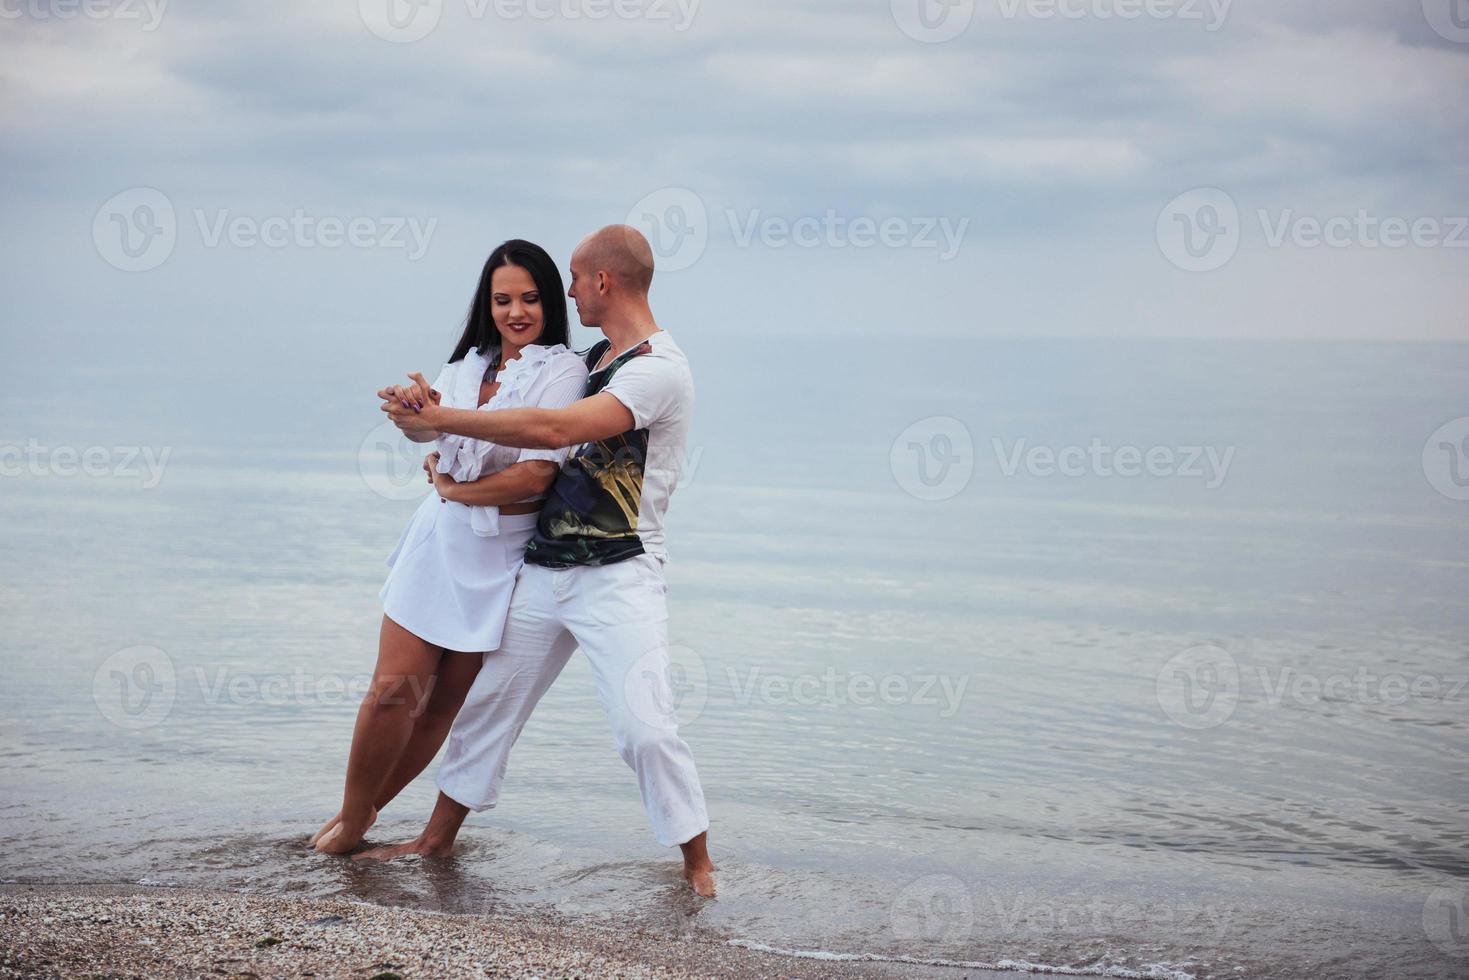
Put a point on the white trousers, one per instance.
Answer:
(618, 615)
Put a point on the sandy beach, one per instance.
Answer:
(134, 931)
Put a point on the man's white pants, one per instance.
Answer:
(618, 615)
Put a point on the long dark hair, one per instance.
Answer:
(479, 324)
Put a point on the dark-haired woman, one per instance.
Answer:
(447, 596)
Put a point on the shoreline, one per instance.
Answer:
(156, 931)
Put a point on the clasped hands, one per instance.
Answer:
(412, 406)
(406, 405)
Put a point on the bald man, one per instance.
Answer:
(593, 575)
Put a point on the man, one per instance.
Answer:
(593, 576)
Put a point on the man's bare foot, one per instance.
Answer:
(697, 867)
(701, 880)
(341, 837)
(422, 846)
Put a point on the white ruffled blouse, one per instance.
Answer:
(541, 377)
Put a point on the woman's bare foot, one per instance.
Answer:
(324, 828)
(341, 838)
(421, 845)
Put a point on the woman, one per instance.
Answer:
(448, 593)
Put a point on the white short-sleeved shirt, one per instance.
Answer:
(542, 377)
(609, 502)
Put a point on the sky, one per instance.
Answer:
(304, 178)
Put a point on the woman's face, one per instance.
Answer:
(516, 305)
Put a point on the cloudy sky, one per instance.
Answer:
(295, 175)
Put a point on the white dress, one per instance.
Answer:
(453, 569)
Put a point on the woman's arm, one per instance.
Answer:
(520, 481)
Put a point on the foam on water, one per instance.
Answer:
(1156, 971)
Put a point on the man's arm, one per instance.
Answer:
(588, 420)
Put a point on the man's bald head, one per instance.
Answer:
(622, 252)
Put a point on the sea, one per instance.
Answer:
(1110, 658)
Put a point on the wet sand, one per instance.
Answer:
(136, 931)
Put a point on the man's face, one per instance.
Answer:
(583, 292)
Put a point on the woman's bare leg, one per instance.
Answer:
(456, 675)
(401, 686)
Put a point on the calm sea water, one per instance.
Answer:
(1207, 720)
